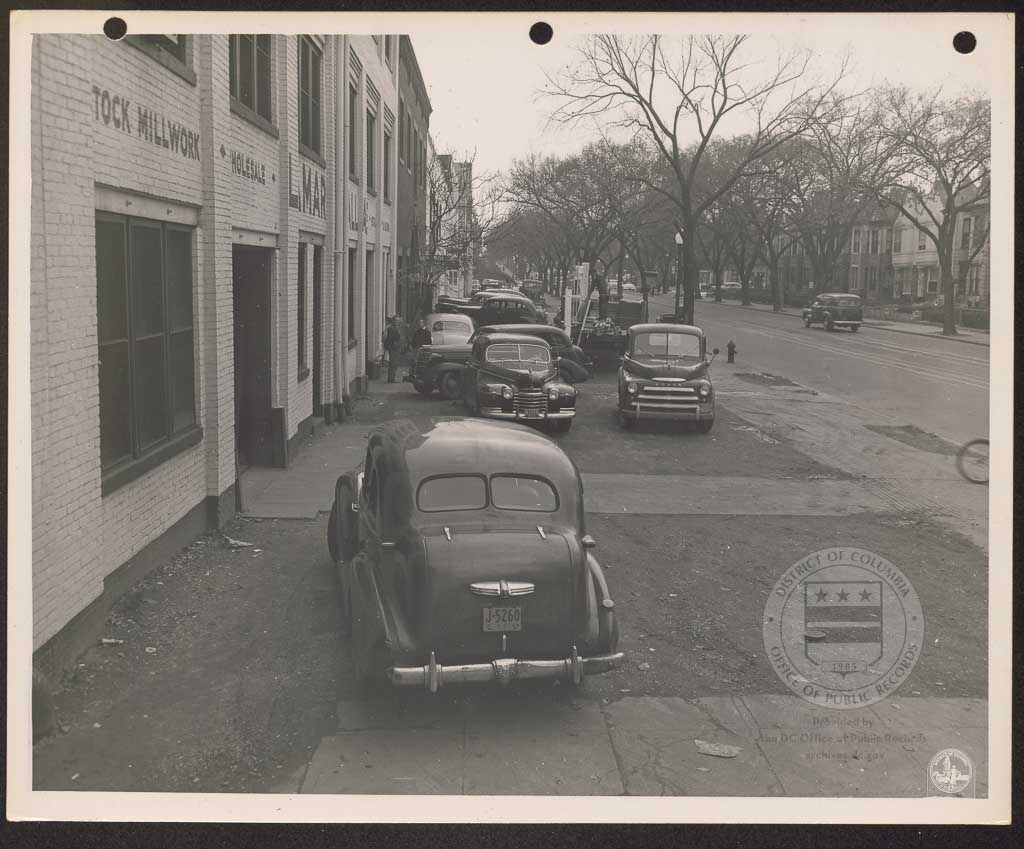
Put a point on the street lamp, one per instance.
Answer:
(679, 269)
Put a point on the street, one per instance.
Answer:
(693, 530)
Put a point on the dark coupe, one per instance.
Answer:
(664, 375)
(463, 558)
(835, 310)
(515, 377)
(440, 366)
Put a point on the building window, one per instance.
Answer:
(353, 133)
(965, 233)
(173, 45)
(387, 167)
(854, 278)
(401, 130)
(250, 77)
(920, 240)
(310, 59)
(387, 50)
(933, 285)
(144, 334)
(371, 152)
(856, 241)
(351, 329)
(874, 241)
(897, 240)
(300, 313)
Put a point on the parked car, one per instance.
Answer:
(732, 288)
(664, 375)
(463, 558)
(835, 310)
(514, 377)
(447, 303)
(449, 328)
(504, 308)
(439, 367)
(574, 365)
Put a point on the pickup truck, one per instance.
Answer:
(604, 341)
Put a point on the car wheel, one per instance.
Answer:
(807, 321)
(854, 328)
(705, 425)
(829, 324)
(422, 388)
(450, 384)
(625, 422)
(561, 425)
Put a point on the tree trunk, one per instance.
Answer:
(948, 311)
(780, 293)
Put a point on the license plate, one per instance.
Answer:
(503, 619)
(533, 414)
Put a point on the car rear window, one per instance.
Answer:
(515, 492)
(511, 353)
(848, 302)
(452, 492)
(448, 326)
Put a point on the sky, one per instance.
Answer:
(483, 77)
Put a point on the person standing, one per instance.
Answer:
(392, 347)
(421, 336)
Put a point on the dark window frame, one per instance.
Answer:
(310, 80)
(370, 155)
(175, 55)
(386, 157)
(139, 459)
(260, 112)
(352, 272)
(353, 133)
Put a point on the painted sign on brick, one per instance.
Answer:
(310, 195)
(149, 125)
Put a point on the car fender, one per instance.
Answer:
(608, 632)
(383, 607)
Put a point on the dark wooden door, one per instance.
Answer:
(251, 291)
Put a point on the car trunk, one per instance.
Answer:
(453, 623)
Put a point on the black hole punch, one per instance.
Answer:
(540, 33)
(115, 28)
(964, 42)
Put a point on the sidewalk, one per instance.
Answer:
(968, 337)
(762, 745)
(306, 487)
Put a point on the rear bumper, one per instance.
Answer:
(433, 675)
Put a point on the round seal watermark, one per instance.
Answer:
(843, 628)
(950, 771)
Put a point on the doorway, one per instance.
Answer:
(251, 297)
(318, 306)
(369, 317)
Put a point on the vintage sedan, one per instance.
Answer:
(515, 377)
(664, 375)
(835, 310)
(463, 557)
(449, 328)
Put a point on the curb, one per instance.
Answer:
(871, 324)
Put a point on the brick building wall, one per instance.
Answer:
(121, 129)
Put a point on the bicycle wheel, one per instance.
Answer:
(972, 461)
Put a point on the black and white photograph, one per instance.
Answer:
(510, 417)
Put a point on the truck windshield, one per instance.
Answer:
(674, 346)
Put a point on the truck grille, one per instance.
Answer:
(668, 395)
(531, 401)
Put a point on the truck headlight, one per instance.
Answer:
(632, 388)
(553, 394)
(507, 393)
(704, 390)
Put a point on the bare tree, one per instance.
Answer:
(668, 92)
(940, 154)
(463, 207)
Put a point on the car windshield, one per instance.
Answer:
(515, 353)
(675, 346)
(512, 492)
(452, 492)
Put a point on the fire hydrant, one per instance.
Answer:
(730, 351)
